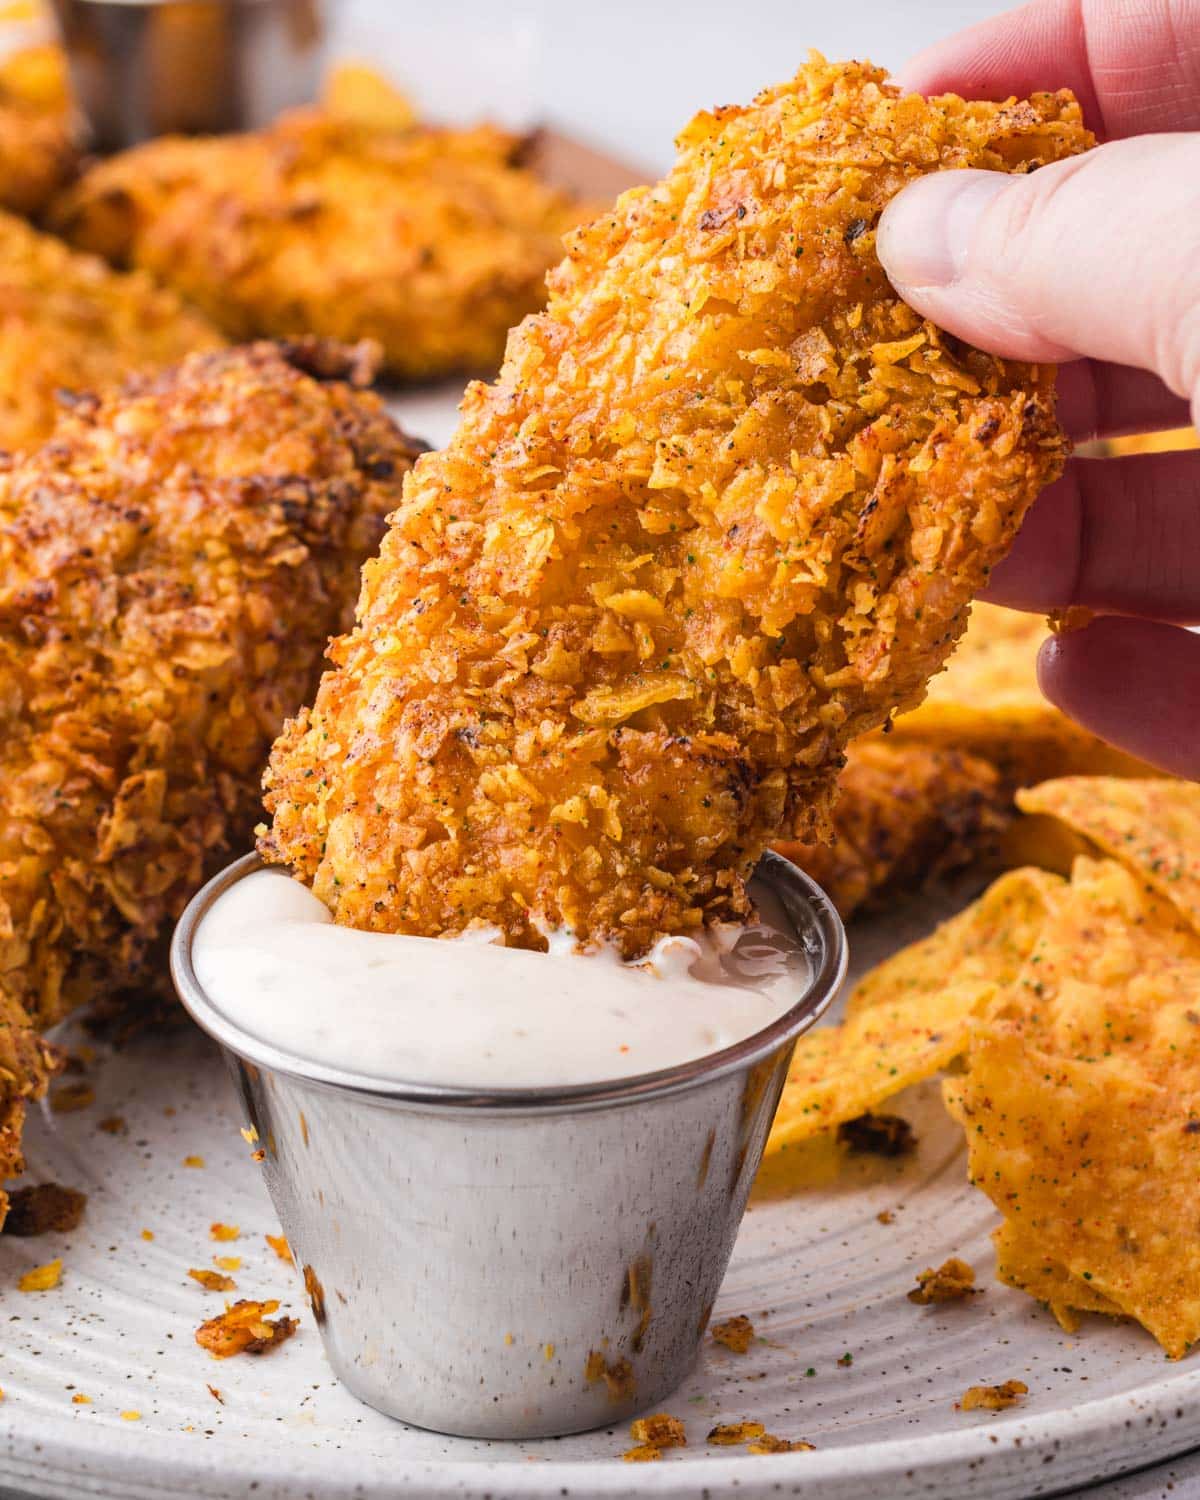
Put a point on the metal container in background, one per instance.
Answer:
(141, 68)
(518, 1263)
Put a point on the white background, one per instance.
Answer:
(623, 74)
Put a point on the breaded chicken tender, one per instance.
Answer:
(904, 815)
(722, 511)
(68, 322)
(38, 148)
(431, 241)
(172, 564)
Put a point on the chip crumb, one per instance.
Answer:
(147, 1234)
(259, 1155)
(886, 1216)
(131, 1416)
(661, 1430)
(846, 1360)
(953, 1280)
(193, 1161)
(279, 1244)
(41, 1278)
(213, 1281)
(79, 1399)
(216, 1394)
(644, 1453)
(69, 1097)
(769, 1443)
(220, 1231)
(250, 1136)
(617, 1376)
(993, 1397)
(227, 1262)
(44, 1208)
(729, 1434)
(245, 1328)
(1074, 617)
(736, 1333)
(112, 1125)
(877, 1135)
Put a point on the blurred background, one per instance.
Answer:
(624, 74)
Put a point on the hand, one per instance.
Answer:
(1093, 262)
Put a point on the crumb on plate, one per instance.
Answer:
(953, 1280)
(736, 1333)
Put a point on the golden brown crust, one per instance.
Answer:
(70, 323)
(723, 510)
(172, 564)
(431, 241)
(904, 815)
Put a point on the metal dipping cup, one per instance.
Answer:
(516, 1263)
(141, 68)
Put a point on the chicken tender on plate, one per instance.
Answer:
(723, 510)
(904, 815)
(69, 322)
(431, 241)
(38, 148)
(172, 564)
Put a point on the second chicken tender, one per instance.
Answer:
(723, 510)
(68, 322)
(433, 242)
(171, 567)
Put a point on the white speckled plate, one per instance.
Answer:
(820, 1275)
(817, 1271)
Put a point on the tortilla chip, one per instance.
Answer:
(1081, 1103)
(1152, 827)
(985, 945)
(987, 702)
(910, 1017)
(1021, 1264)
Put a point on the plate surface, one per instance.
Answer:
(817, 1271)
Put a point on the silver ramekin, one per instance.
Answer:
(517, 1263)
(141, 68)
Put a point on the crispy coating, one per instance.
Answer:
(904, 815)
(723, 509)
(171, 566)
(70, 323)
(38, 147)
(433, 242)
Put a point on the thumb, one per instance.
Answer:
(1098, 256)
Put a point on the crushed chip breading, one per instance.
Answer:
(953, 1280)
(245, 1328)
(213, 1281)
(193, 1161)
(279, 1244)
(41, 1278)
(993, 1397)
(644, 1453)
(769, 1443)
(736, 1333)
(662, 1430)
(227, 1262)
(617, 1375)
(224, 1231)
(70, 1097)
(730, 1434)
(79, 1399)
(131, 1416)
(44, 1209)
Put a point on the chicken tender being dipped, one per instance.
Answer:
(433, 242)
(172, 564)
(722, 511)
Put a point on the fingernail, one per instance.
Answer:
(926, 232)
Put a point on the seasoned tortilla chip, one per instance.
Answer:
(987, 703)
(910, 1017)
(1151, 826)
(1081, 1102)
(1021, 1264)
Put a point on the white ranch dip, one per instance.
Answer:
(469, 1012)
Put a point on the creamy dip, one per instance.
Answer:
(467, 1011)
